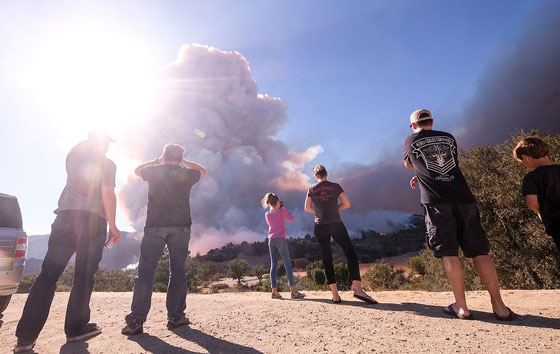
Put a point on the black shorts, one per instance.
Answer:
(450, 226)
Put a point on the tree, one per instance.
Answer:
(206, 271)
(237, 269)
(259, 272)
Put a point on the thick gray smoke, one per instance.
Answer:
(209, 103)
(520, 89)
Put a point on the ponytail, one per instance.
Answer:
(269, 200)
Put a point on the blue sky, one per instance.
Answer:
(349, 72)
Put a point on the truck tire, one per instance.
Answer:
(4, 301)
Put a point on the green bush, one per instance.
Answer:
(259, 272)
(26, 283)
(383, 276)
(237, 269)
(216, 287)
(205, 271)
(118, 281)
(343, 280)
(416, 265)
(281, 269)
(319, 277)
(300, 263)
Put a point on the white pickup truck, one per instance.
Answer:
(13, 248)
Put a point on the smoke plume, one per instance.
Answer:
(521, 88)
(209, 104)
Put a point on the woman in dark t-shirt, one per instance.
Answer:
(322, 200)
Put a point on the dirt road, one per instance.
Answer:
(403, 322)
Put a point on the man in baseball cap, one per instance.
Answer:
(450, 211)
(85, 207)
(420, 115)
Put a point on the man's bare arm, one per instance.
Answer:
(309, 205)
(408, 165)
(345, 202)
(110, 205)
(533, 203)
(195, 166)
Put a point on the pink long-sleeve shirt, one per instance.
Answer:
(276, 222)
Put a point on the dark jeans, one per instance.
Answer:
(323, 233)
(74, 231)
(155, 238)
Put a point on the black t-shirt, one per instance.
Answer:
(434, 157)
(169, 189)
(324, 196)
(87, 170)
(544, 181)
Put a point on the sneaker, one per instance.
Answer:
(24, 345)
(133, 328)
(276, 296)
(297, 295)
(178, 322)
(90, 330)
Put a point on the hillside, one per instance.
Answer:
(370, 247)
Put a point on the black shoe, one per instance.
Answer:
(24, 345)
(90, 330)
(133, 328)
(178, 322)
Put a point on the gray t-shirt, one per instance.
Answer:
(87, 170)
(324, 196)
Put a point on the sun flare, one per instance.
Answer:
(94, 79)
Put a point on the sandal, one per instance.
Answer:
(367, 299)
(451, 311)
(337, 301)
(509, 317)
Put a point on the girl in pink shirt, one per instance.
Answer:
(276, 217)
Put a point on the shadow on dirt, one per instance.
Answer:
(152, 344)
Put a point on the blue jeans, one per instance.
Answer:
(73, 231)
(278, 246)
(155, 238)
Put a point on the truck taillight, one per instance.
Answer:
(21, 247)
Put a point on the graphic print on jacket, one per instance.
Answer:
(438, 154)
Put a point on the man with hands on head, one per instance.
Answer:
(168, 222)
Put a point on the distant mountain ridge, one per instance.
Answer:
(120, 256)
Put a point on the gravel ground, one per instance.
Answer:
(403, 322)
